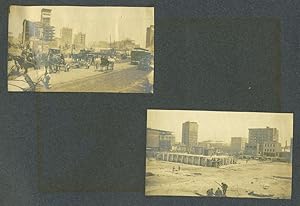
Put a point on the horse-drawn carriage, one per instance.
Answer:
(22, 62)
(105, 62)
(55, 60)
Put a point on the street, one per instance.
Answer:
(125, 78)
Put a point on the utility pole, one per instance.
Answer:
(110, 41)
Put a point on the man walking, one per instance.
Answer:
(224, 188)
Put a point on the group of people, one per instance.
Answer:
(219, 192)
(27, 53)
(175, 169)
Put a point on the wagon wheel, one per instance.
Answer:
(13, 69)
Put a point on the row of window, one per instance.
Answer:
(269, 150)
(269, 145)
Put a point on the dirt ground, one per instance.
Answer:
(260, 179)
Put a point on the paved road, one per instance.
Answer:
(125, 78)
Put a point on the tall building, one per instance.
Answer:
(238, 144)
(262, 135)
(48, 30)
(46, 17)
(190, 133)
(79, 40)
(48, 33)
(150, 36)
(41, 30)
(66, 36)
(252, 149)
(160, 140)
(28, 30)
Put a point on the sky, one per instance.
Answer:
(221, 126)
(99, 23)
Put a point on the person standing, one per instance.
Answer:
(210, 192)
(218, 193)
(224, 188)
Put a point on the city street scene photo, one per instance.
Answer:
(81, 49)
(219, 154)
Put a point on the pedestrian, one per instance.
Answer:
(210, 192)
(173, 169)
(46, 80)
(224, 188)
(218, 193)
(178, 168)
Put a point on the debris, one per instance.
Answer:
(252, 193)
(149, 174)
(200, 195)
(280, 177)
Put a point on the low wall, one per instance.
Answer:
(200, 160)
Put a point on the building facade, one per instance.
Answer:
(40, 30)
(160, 140)
(271, 148)
(46, 17)
(150, 37)
(238, 144)
(190, 133)
(66, 36)
(261, 135)
(79, 40)
(251, 149)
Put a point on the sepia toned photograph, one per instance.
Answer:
(80, 49)
(219, 154)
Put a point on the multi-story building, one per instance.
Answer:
(41, 30)
(238, 144)
(46, 17)
(29, 30)
(271, 148)
(190, 133)
(79, 40)
(66, 36)
(48, 30)
(261, 135)
(150, 37)
(160, 140)
(251, 149)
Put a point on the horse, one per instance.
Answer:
(22, 63)
(54, 62)
(106, 62)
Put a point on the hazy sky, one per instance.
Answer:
(221, 125)
(97, 22)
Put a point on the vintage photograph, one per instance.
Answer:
(81, 49)
(219, 154)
